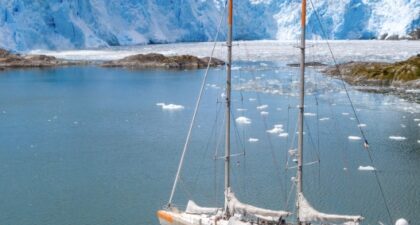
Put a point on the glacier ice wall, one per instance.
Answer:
(68, 24)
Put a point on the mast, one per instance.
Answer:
(301, 108)
(228, 101)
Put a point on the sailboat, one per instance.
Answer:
(235, 212)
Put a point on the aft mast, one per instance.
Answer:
(228, 101)
(301, 110)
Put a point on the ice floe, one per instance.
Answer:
(243, 120)
(324, 119)
(252, 99)
(264, 113)
(241, 110)
(252, 140)
(283, 134)
(397, 138)
(309, 114)
(354, 138)
(362, 125)
(345, 114)
(366, 168)
(277, 129)
(262, 107)
(170, 107)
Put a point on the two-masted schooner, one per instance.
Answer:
(235, 212)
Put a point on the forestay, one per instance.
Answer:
(308, 214)
(235, 206)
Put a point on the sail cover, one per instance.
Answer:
(308, 214)
(193, 208)
(235, 206)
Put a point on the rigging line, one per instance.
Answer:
(339, 73)
(206, 150)
(276, 164)
(366, 144)
(187, 141)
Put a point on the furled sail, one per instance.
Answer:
(193, 208)
(308, 214)
(235, 206)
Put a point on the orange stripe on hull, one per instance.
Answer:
(165, 216)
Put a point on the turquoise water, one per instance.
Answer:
(89, 145)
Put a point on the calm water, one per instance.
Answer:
(89, 146)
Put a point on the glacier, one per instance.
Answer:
(85, 24)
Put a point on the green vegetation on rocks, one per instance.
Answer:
(404, 73)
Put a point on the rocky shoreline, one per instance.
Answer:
(154, 60)
(400, 78)
(149, 61)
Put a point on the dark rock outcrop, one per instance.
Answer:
(10, 60)
(382, 74)
(154, 60)
(307, 64)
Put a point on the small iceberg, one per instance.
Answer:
(262, 107)
(241, 110)
(243, 120)
(416, 120)
(397, 138)
(253, 140)
(362, 125)
(418, 141)
(277, 129)
(366, 168)
(252, 99)
(264, 113)
(283, 134)
(324, 119)
(345, 114)
(354, 138)
(309, 114)
(170, 107)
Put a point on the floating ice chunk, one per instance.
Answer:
(416, 120)
(352, 118)
(264, 113)
(413, 91)
(418, 141)
(324, 119)
(241, 110)
(345, 168)
(403, 125)
(263, 64)
(283, 134)
(223, 95)
(170, 107)
(397, 138)
(362, 125)
(366, 168)
(252, 140)
(277, 129)
(262, 107)
(278, 109)
(309, 114)
(345, 114)
(235, 68)
(252, 99)
(75, 122)
(243, 120)
(354, 138)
